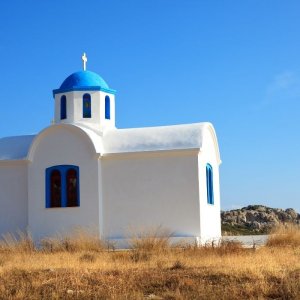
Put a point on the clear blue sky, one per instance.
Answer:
(233, 63)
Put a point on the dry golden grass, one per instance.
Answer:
(79, 240)
(87, 270)
(285, 236)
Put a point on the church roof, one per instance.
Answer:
(176, 137)
(15, 147)
(83, 81)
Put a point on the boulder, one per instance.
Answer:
(292, 213)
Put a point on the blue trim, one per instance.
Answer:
(63, 169)
(63, 107)
(83, 88)
(107, 107)
(209, 184)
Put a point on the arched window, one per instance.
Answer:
(86, 106)
(63, 107)
(209, 184)
(55, 189)
(107, 107)
(62, 186)
(72, 188)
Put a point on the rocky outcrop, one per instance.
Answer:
(257, 218)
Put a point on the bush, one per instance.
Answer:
(146, 243)
(154, 239)
(178, 265)
(79, 240)
(285, 236)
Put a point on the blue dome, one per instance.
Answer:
(83, 79)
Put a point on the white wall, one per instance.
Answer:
(13, 196)
(137, 191)
(143, 191)
(210, 221)
(74, 109)
(63, 145)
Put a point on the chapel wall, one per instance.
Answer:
(210, 220)
(63, 146)
(13, 197)
(142, 192)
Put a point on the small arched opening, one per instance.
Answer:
(55, 189)
(86, 106)
(107, 107)
(63, 107)
(209, 184)
(72, 188)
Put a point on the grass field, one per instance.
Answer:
(81, 267)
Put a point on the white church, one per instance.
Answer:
(83, 172)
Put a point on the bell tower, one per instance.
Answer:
(84, 98)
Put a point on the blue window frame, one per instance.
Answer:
(63, 107)
(62, 186)
(86, 106)
(209, 184)
(107, 107)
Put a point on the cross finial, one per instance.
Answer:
(84, 60)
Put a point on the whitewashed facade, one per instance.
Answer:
(83, 172)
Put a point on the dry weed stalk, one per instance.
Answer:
(20, 242)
